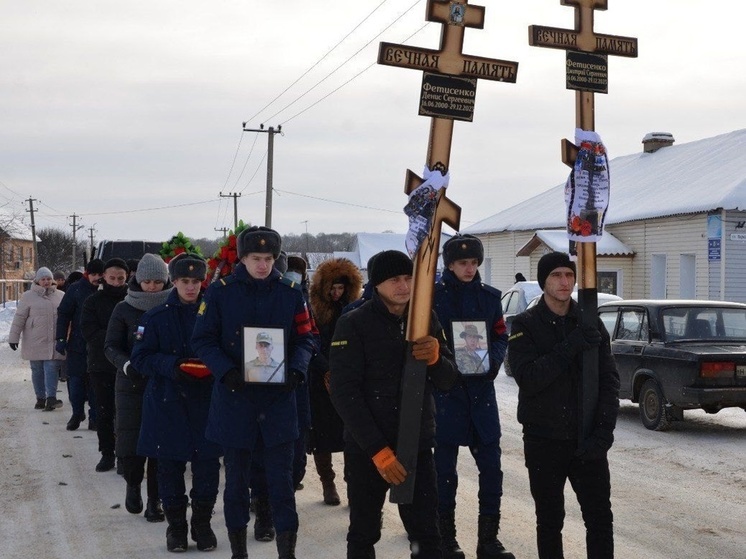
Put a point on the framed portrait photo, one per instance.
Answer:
(264, 355)
(471, 347)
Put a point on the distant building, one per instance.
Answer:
(675, 227)
(16, 255)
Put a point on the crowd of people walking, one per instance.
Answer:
(260, 368)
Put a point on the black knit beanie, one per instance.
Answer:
(389, 264)
(281, 263)
(550, 262)
(95, 266)
(460, 247)
(116, 263)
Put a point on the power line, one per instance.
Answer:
(345, 62)
(150, 209)
(260, 111)
(336, 201)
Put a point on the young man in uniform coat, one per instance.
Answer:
(247, 418)
(546, 356)
(70, 342)
(367, 359)
(467, 414)
(175, 407)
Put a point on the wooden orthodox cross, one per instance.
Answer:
(448, 92)
(578, 43)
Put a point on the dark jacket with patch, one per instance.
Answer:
(367, 360)
(174, 414)
(549, 384)
(468, 411)
(238, 418)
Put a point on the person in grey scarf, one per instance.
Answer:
(148, 288)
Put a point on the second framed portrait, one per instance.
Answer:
(264, 355)
(471, 347)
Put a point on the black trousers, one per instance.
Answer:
(366, 491)
(550, 464)
(103, 387)
(134, 472)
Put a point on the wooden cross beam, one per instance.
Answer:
(449, 60)
(583, 38)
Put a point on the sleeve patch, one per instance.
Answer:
(339, 343)
(515, 336)
(202, 308)
(499, 327)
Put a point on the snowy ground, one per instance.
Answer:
(680, 494)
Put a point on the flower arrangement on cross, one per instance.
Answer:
(176, 245)
(225, 258)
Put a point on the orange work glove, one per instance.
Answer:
(389, 467)
(194, 367)
(427, 349)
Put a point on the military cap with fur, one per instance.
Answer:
(187, 265)
(460, 247)
(259, 239)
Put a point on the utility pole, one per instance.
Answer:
(75, 227)
(235, 196)
(90, 235)
(224, 231)
(270, 158)
(305, 256)
(31, 201)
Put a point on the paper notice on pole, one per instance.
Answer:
(421, 208)
(587, 189)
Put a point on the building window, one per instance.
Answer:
(608, 282)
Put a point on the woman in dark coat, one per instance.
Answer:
(176, 405)
(148, 288)
(336, 283)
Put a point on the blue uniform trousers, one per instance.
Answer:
(487, 458)
(278, 473)
(79, 387)
(171, 486)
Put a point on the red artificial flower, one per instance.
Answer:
(179, 250)
(232, 241)
(585, 229)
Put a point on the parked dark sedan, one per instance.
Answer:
(678, 355)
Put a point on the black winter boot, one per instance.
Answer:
(40, 403)
(201, 530)
(264, 530)
(326, 473)
(107, 462)
(177, 531)
(74, 422)
(238, 544)
(154, 511)
(52, 404)
(450, 547)
(488, 546)
(286, 545)
(133, 499)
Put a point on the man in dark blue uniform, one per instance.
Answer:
(249, 418)
(467, 415)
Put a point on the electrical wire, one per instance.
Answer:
(260, 111)
(212, 201)
(336, 201)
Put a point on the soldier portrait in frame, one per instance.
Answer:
(471, 347)
(264, 355)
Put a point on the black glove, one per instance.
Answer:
(595, 447)
(13, 346)
(60, 347)
(582, 338)
(233, 380)
(293, 381)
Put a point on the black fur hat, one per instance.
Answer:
(187, 265)
(259, 239)
(459, 247)
(281, 263)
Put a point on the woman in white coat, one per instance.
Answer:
(33, 326)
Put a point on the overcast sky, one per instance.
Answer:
(129, 114)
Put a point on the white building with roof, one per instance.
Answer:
(675, 227)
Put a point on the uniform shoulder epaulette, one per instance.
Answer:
(491, 289)
(227, 280)
(290, 283)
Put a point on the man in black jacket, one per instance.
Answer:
(545, 351)
(367, 359)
